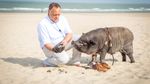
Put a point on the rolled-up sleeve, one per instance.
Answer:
(43, 35)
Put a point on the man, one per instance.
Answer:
(54, 30)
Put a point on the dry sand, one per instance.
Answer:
(21, 56)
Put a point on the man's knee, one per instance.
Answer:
(62, 57)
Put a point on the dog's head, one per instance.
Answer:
(85, 44)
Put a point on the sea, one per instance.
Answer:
(24, 6)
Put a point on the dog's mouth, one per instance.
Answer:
(91, 53)
(78, 48)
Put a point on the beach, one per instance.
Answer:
(21, 56)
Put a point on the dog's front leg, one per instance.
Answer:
(94, 56)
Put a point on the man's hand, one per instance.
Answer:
(58, 48)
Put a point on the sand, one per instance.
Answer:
(21, 56)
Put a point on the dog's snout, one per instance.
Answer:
(72, 42)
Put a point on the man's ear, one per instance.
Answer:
(92, 42)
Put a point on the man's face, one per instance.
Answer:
(54, 14)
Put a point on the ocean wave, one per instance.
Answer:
(142, 9)
(108, 10)
(23, 9)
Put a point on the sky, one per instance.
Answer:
(91, 1)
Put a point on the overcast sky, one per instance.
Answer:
(100, 1)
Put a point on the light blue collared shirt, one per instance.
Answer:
(50, 32)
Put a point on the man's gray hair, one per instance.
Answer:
(54, 4)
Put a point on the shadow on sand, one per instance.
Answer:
(35, 63)
(86, 60)
(26, 62)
